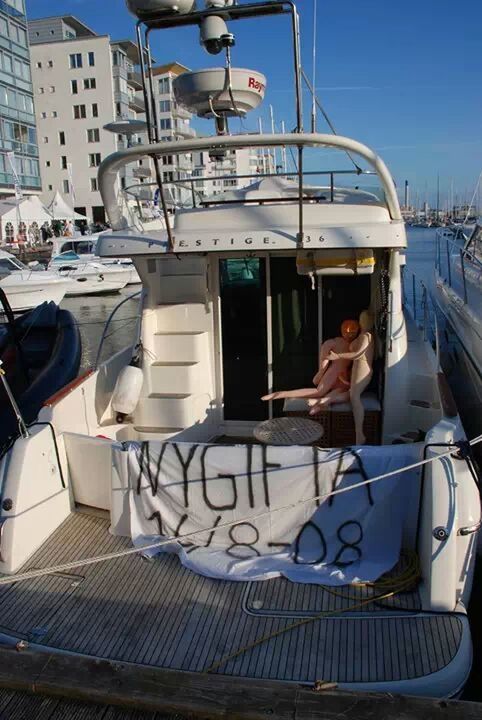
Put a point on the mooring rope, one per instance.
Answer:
(29, 575)
(407, 578)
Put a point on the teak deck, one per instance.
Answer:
(158, 613)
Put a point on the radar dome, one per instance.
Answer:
(146, 8)
(206, 92)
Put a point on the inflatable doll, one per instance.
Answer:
(361, 353)
(333, 372)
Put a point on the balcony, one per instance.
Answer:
(142, 172)
(180, 112)
(134, 79)
(137, 104)
(185, 131)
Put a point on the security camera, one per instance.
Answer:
(215, 35)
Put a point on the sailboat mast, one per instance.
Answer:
(438, 195)
(313, 94)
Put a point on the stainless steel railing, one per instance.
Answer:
(458, 266)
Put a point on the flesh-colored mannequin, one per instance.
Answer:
(361, 352)
(332, 373)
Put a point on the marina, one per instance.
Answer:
(240, 439)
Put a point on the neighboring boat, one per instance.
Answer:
(89, 278)
(40, 354)
(314, 562)
(26, 288)
(85, 247)
(458, 292)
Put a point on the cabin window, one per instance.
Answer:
(6, 267)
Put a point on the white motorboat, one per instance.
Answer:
(458, 293)
(26, 288)
(89, 277)
(85, 247)
(285, 552)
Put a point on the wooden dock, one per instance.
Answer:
(38, 684)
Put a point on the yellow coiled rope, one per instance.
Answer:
(387, 586)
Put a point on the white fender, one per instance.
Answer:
(127, 390)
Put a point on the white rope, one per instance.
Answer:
(161, 543)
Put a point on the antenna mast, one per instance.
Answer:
(313, 102)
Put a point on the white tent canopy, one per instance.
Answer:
(61, 210)
(25, 219)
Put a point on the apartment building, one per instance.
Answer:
(173, 124)
(17, 116)
(81, 81)
(237, 169)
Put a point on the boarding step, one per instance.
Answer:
(200, 432)
(169, 378)
(189, 346)
(182, 288)
(173, 410)
(155, 433)
(189, 316)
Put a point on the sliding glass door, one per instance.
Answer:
(244, 337)
(269, 330)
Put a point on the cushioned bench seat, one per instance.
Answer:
(337, 420)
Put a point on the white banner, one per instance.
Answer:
(13, 165)
(178, 488)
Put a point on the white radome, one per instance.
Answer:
(203, 91)
(143, 8)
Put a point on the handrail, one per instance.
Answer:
(111, 165)
(107, 325)
(466, 253)
(188, 183)
(428, 321)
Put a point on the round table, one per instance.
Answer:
(288, 431)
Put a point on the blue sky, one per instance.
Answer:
(402, 77)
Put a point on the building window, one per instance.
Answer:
(47, 163)
(93, 184)
(75, 61)
(164, 86)
(94, 160)
(91, 59)
(75, 87)
(89, 84)
(165, 106)
(46, 140)
(44, 115)
(95, 110)
(41, 91)
(63, 162)
(61, 138)
(66, 187)
(54, 113)
(165, 123)
(52, 88)
(39, 65)
(51, 187)
(18, 35)
(51, 63)
(93, 136)
(80, 112)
